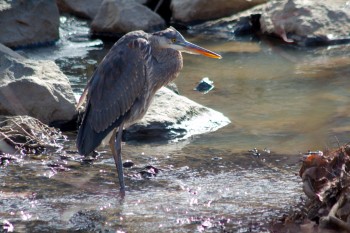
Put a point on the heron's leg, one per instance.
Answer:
(116, 147)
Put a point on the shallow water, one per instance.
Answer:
(279, 97)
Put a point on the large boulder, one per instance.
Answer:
(35, 88)
(82, 8)
(307, 22)
(172, 116)
(116, 17)
(192, 11)
(28, 22)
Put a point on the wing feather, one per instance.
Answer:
(118, 81)
(115, 87)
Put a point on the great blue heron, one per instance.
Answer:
(123, 85)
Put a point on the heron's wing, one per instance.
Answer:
(118, 82)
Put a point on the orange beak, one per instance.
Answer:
(195, 49)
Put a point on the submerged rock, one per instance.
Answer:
(35, 88)
(116, 17)
(189, 11)
(172, 116)
(30, 22)
(88, 221)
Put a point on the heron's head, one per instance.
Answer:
(172, 39)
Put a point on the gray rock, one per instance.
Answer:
(28, 22)
(307, 22)
(172, 116)
(122, 16)
(84, 8)
(81, 8)
(243, 23)
(35, 88)
(188, 11)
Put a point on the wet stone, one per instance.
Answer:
(57, 167)
(205, 85)
(87, 161)
(5, 159)
(87, 220)
(128, 164)
(255, 152)
(216, 158)
(148, 172)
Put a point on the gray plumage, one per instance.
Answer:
(123, 85)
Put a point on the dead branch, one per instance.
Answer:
(27, 134)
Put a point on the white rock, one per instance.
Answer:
(172, 116)
(35, 88)
(306, 21)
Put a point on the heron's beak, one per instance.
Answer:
(195, 49)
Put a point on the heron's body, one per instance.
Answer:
(122, 87)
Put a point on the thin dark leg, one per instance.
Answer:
(116, 147)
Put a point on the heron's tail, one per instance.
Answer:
(88, 139)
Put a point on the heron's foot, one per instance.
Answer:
(122, 193)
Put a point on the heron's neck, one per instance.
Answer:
(167, 64)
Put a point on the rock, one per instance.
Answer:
(243, 23)
(84, 8)
(116, 17)
(88, 221)
(307, 22)
(30, 22)
(192, 11)
(81, 8)
(35, 88)
(205, 85)
(172, 116)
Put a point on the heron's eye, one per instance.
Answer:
(173, 40)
